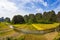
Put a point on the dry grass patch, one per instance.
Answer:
(34, 37)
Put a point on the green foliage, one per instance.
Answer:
(52, 16)
(18, 19)
(58, 17)
(45, 18)
(7, 19)
(57, 39)
(38, 17)
(31, 18)
(26, 18)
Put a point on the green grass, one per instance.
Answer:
(3, 27)
(5, 30)
(36, 26)
(45, 26)
(24, 26)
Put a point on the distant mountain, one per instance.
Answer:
(1, 19)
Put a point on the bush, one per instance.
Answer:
(57, 39)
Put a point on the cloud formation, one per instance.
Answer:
(9, 8)
(6, 8)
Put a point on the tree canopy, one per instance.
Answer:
(18, 19)
(46, 17)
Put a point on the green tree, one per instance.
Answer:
(49, 17)
(38, 17)
(26, 18)
(45, 17)
(32, 18)
(7, 19)
(18, 19)
(52, 16)
(58, 17)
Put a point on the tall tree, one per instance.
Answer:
(7, 19)
(26, 18)
(52, 16)
(38, 17)
(18, 19)
(45, 17)
(49, 17)
(32, 18)
(58, 17)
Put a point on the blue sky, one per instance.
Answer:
(9, 8)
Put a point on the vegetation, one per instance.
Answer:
(45, 18)
(34, 37)
(17, 19)
(7, 19)
(38, 21)
(46, 26)
(24, 26)
(3, 26)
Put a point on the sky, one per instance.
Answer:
(9, 8)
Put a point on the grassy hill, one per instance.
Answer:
(21, 36)
(6, 31)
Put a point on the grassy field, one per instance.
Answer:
(36, 26)
(24, 26)
(3, 27)
(45, 26)
(6, 31)
(34, 37)
(21, 36)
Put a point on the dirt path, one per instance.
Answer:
(51, 36)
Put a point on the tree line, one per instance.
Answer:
(46, 17)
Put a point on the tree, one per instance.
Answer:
(18, 19)
(52, 16)
(7, 19)
(58, 17)
(38, 17)
(45, 17)
(49, 17)
(26, 18)
(32, 18)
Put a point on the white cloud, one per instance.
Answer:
(8, 9)
(40, 10)
(45, 4)
(30, 1)
(57, 9)
(5, 4)
(42, 2)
